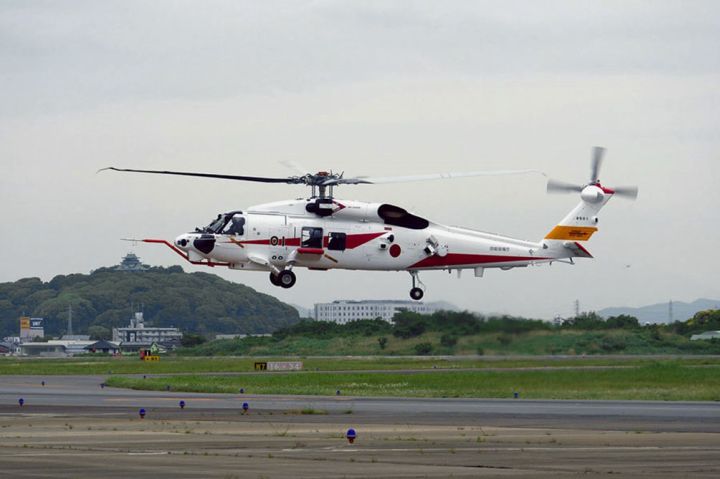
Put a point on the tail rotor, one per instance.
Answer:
(598, 153)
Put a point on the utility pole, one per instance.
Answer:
(670, 312)
(577, 308)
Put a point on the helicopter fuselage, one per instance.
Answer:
(352, 235)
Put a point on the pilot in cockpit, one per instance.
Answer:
(236, 226)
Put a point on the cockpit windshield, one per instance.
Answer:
(232, 223)
(216, 225)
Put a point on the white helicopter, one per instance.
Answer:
(324, 233)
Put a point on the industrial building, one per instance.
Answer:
(344, 311)
(54, 348)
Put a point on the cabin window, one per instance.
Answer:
(337, 241)
(312, 237)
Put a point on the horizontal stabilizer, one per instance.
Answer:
(578, 250)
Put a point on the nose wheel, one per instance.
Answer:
(416, 292)
(285, 279)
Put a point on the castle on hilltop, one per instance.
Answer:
(131, 263)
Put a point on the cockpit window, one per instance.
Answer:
(233, 221)
(236, 226)
(396, 216)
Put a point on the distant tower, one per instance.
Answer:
(670, 312)
(577, 308)
(69, 327)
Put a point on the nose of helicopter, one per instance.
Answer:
(183, 241)
(202, 243)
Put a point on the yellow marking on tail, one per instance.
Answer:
(574, 233)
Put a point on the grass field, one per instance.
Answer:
(665, 380)
(225, 364)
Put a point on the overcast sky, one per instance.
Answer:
(369, 88)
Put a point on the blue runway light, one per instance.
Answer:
(21, 401)
(351, 435)
(245, 407)
(182, 404)
(142, 413)
(242, 390)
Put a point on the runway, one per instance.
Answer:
(72, 427)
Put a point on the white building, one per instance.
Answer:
(137, 335)
(345, 311)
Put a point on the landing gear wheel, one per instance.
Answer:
(274, 279)
(416, 294)
(286, 278)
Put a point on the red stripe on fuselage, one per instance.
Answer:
(459, 259)
(351, 241)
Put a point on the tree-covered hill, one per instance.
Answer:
(196, 302)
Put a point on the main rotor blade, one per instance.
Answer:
(260, 179)
(555, 186)
(597, 158)
(372, 180)
(630, 192)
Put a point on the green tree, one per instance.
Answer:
(586, 321)
(99, 332)
(382, 342)
(622, 321)
(504, 339)
(191, 339)
(423, 349)
(409, 325)
(448, 340)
